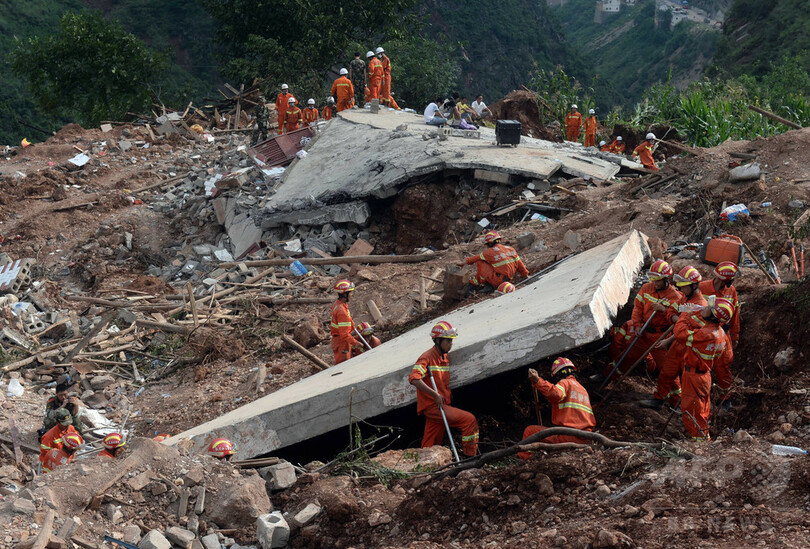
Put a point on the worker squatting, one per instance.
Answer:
(355, 87)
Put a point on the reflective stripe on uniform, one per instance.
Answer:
(561, 388)
(469, 438)
(505, 262)
(576, 405)
(419, 368)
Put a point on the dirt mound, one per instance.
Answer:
(522, 106)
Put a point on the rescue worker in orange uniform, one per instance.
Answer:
(590, 129)
(341, 327)
(669, 383)
(434, 366)
(310, 113)
(53, 439)
(604, 147)
(721, 286)
(617, 146)
(573, 124)
(376, 73)
(113, 445)
(343, 89)
(367, 331)
(644, 152)
(293, 117)
(221, 448)
(705, 343)
(329, 109)
(282, 100)
(495, 265)
(393, 102)
(62, 456)
(570, 403)
(385, 90)
(656, 296)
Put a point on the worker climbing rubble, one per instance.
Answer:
(293, 117)
(570, 403)
(590, 129)
(495, 265)
(644, 152)
(55, 437)
(573, 124)
(310, 113)
(433, 399)
(341, 327)
(343, 90)
(62, 401)
(367, 331)
(329, 109)
(62, 453)
(113, 445)
(617, 146)
(282, 101)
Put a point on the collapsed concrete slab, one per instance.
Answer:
(360, 156)
(566, 308)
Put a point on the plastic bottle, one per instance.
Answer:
(298, 268)
(779, 450)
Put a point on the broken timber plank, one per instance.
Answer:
(775, 118)
(301, 349)
(105, 319)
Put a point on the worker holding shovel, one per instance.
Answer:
(433, 399)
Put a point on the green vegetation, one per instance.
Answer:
(92, 69)
(411, 83)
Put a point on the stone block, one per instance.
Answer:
(195, 476)
(154, 540)
(132, 534)
(211, 541)
(272, 531)
(100, 382)
(525, 240)
(180, 537)
(280, 476)
(23, 506)
(306, 515)
(572, 240)
(244, 235)
(139, 482)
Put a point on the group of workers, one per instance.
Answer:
(458, 112)
(575, 127)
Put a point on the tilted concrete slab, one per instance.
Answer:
(564, 309)
(362, 155)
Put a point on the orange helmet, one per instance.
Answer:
(161, 437)
(343, 286)
(365, 328)
(505, 288)
(113, 441)
(491, 236)
(72, 441)
(688, 275)
(726, 270)
(220, 448)
(443, 330)
(659, 269)
(723, 310)
(561, 363)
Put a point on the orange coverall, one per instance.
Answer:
(341, 328)
(433, 363)
(573, 123)
(722, 368)
(310, 115)
(571, 407)
(292, 118)
(54, 458)
(642, 309)
(590, 131)
(376, 73)
(669, 382)
(52, 440)
(393, 103)
(343, 92)
(106, 453)
(327, 113)
(374, 341)
(617, 147)
(385, 92)
(644, 152)
(282, 100)
(705, 342)
(496, 265)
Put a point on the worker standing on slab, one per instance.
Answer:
(262, 115)
(617, 146)
(329, 109)
(282, 100)
(62, 455)
(721, 285)
(343, 90)
(342, 326)
(573, 125)
(376, 72)
(687, 281)
(385, 90)
(655, 297)
(570, 403)
(310, 113)
(705, 343)
(293, 116)
(54, 438)
(645, 152)
(113, 445)
(590, 129)
(495, 265)
(62, 401)
(433, 365)
(358, 76)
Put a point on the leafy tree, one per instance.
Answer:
(421, 70)
(91, 69)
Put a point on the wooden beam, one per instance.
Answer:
(106, 318)
(294, 344)
(165, 327)
(775, 118)
(45, 531)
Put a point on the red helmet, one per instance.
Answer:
(561, 363)
(491, 236)
(443, 329)
(220, 448)
(365, 328)
(659, 269)
(72, 441)
(113, 441)
(726, 270)
(688, 275)
(505, 288)
(723, 310)
(343, 286)
(161, 437)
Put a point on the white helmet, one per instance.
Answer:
(343, 72)
(602, 143)
(591, 111)
(285, 87)
(310, 101)
(574, 106)
(369, 53)
(330, 99)
(650, 136)
(619, 138)
(380, 50)
(291, 100)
